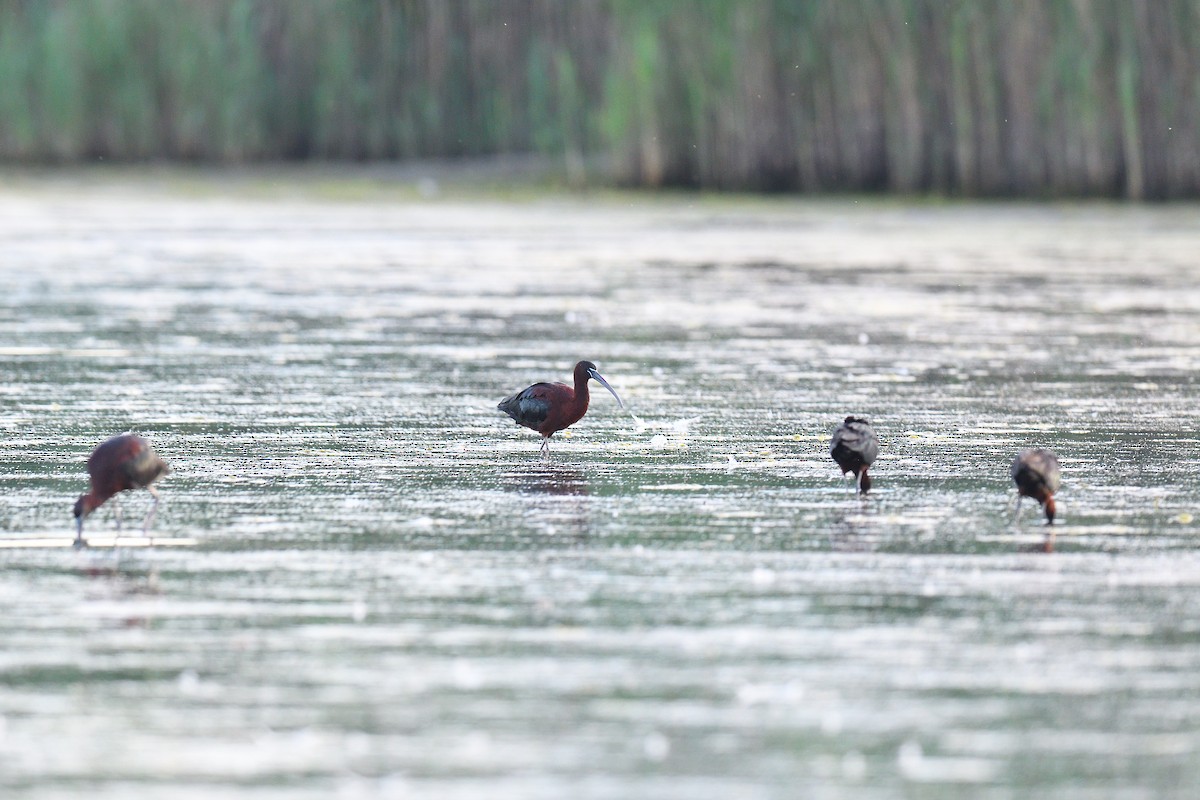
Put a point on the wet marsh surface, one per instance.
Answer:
(380, 589)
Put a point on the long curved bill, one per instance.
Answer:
(596, 375)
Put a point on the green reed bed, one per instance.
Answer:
(1028, 97)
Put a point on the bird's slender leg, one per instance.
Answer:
(153, 508)
(116, 504)
(858, 481)
(80, 542)
(545, 448)
(1017, 518)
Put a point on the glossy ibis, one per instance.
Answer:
(117, 464)
(854, 447)
(549, 407)
(1037, 475)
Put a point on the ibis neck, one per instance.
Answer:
(581, 388)
(91, 501)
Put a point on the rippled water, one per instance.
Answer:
(377, 588)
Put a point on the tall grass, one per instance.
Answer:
(962, 97)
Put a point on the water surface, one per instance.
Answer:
(390, 593)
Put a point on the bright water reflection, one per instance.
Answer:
(393, 595)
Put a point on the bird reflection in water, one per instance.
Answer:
(854, 532)
(116, 581)
(548, 479)
(558, 501)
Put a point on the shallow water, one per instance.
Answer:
(379, 589)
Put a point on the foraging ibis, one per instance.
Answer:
(550, 407)
(116, 465)
(855, 447)
(1037, 475)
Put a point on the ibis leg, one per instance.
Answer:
(153, 508)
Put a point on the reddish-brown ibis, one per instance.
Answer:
(1037, 475)
(116, 465)
(855, 448)
(549, 407)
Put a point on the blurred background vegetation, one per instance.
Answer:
(959, 97)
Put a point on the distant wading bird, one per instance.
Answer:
(1037, 475)
(120, 463)
(549, 407)
(855, 448)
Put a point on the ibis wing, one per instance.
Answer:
(855, 437)
(529, 407)
(870, 447)
(144, 468)
(1037, 469)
